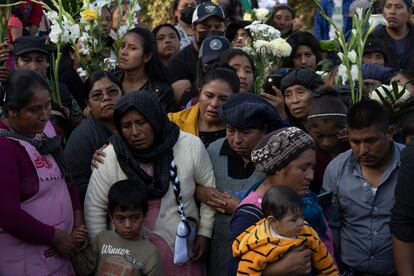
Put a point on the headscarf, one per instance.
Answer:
(160, 152)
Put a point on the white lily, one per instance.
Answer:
(341, 56)
(359, 12)
(375, 20)
(342, 72)
(352, 56)
(354, 72)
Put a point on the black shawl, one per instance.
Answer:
(160, 154)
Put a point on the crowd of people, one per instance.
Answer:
(172, 165)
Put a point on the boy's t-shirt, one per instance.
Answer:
(110, 254)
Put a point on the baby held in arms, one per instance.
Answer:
(282, 230)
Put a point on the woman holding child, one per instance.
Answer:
(287, 156)
(143, 151)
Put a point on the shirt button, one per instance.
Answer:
(375, 208)
(375, 233)
(365, 184)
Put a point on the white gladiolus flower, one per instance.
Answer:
(74, 31)
(342, 72)
(359, 12)
(52, 15)
(109, 64)
(136, 7)
(352, 56)
(261, 13)
(82, 73)
(354, 72)
(55, 33)
(375, 20)
(341, 56)
(84, 51)
(280, 47)
(122, 30)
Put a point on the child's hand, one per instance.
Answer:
(80, 235)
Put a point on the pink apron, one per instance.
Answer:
(51, 205)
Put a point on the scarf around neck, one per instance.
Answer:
(160, 154)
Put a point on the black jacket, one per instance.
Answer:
(393, 61)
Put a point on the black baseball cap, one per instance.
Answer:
(375, 45)
(27, 44)
(212, 47)
(207, 10)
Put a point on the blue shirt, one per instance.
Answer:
(359, 217)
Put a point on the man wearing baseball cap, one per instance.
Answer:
(398, 36)
(31, 53)
(208, 20)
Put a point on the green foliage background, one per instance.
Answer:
(154, 12)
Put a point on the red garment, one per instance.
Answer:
(14, 22)
(32, 13)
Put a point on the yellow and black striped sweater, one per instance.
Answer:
(256, 248)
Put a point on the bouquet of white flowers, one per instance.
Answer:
(349, 72)
(91, 44)
(260, 14)
(393, 97)
(266, 49)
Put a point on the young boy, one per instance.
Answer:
(282, 230)
(123, 251)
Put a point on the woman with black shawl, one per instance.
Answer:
(143, 150)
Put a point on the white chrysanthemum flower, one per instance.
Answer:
(82, 73)
(342, 72)
(280, 47)
(263, 47)
(352, 56)
(261, 13)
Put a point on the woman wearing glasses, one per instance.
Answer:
(103, 93)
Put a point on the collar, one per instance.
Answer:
(395, 160)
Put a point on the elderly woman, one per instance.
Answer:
(287, 156)
(39, 205)
(145, 149)
(103, 92)
(297, 87)
(248, 119)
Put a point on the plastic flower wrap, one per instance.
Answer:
(395, 98)
(266, 48)
(349, 72)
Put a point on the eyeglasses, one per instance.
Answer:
(98, 96)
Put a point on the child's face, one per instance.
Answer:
(289, 226)
(128, 223)
(325, 135)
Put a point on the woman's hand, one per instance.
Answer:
(277, 101)
(296, 262)
(212, 197)
(4, 52)
(200, 248)
(98, 157)
(64, 243)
